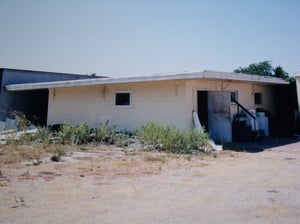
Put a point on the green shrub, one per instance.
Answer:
(150, 134)
(21, 140)
(74, 134)
(173, 139)
(21, 120)
(168, 138)
(42, 135)
(100, 133)
(82, 134)
(104, 134)
(58, 153)
(198, 139)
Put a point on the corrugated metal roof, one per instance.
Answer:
(177, 76)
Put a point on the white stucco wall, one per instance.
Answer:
(245, 95)
(245, 92)
(169, 102)
(151, 101)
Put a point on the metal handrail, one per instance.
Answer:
(243, 108)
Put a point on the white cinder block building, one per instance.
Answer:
(168, 99)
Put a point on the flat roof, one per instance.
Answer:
(86, 76)
(227, 76)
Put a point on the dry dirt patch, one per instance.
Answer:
(112, 185)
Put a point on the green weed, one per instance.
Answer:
(21, 120)
(59, 152)
(74, 134)
(43, 135)
(168, 138)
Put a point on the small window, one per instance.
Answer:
(122, 99)
(258, 98)
(233, 97)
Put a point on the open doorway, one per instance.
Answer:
(202, 108)
(34, 104)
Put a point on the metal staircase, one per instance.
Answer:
(242, 131)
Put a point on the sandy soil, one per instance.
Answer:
(117, 186)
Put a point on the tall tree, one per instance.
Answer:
(261, 68)
(265, 68)
(280, 73)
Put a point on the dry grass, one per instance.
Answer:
(17, 153)
(161, 158)
(99, 160)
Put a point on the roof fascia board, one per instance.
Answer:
(103, 81)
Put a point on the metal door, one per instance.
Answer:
(219, 117)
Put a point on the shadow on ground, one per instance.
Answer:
(260, 145)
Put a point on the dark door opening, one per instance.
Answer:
(202, 103)
(34, 104)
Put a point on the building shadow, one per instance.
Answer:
(261, 144)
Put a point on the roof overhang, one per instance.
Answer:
(193, 75)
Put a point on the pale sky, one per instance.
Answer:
(140, 37)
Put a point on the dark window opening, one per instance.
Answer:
(258, 98)
(233, 97)
(122, 99)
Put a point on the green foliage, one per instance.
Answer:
(104, 134)
(173, 140)
(21, 140)
(21, 120)
(74, 134)
(78, 134)
(59, 152)
(168, 138)
(197, 139)
(82, 134)
(100, 133)
(43, 135)
(280, 73)
(261, 68)
(265, 68)
(150, 135)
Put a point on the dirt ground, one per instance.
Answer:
(112, 185)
